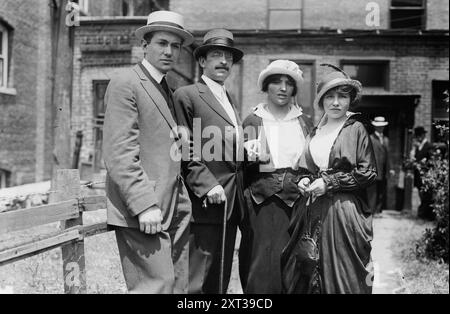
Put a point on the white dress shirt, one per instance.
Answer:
(220, 93)
(154, 72)
(285, 136)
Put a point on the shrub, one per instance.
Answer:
(435, 178)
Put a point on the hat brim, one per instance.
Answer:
(202, 50)
(273, 71)
(379, 123)
(185, 35)
(335, 83)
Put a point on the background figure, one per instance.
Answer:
(421, 153)
(378, 191)
(216, 174)
(147, 202)
(279, 127)
(329, 251)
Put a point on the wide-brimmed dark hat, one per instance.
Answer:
(218, 38)
(166, 21)
(334, 79)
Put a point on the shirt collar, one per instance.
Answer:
(378, 134)
(262, 112)
(154, 72)
(215, 87)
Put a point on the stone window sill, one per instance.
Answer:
(8, 91)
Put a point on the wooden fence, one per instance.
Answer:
(67, 206)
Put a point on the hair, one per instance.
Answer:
(343, 89)
(275, 77)
(148, 37)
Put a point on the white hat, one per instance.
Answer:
(286, 67)
(379, 121)
(167, 21)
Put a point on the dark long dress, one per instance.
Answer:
(340, 220)
(271, 197)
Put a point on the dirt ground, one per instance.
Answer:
(43, 273)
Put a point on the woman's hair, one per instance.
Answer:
(343, 89)
(276, 77)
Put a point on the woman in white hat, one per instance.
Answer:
(275, 135)
(332, 231)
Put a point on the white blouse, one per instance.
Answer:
(285, 136)
(320, 145)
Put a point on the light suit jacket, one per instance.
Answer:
(139, 136)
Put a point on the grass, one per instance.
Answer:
(421, 275)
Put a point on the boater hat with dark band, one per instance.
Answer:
(166, 21)
(334, 79)
(221, 39)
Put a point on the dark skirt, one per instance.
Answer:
(264, 236)
(344, 235)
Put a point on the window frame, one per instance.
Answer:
(277, 9)
(4, 55)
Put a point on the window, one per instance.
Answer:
(306, 94)
(439, 108)
(408, 14)
(143, 7)
(285, 14)
(5, 176)
(371, 74)
(3, 56)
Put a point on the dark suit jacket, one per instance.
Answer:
(263, 185)
(201, 175)
(139, 135)
(381, 152)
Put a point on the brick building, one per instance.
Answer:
(25, 77)
(397, 48)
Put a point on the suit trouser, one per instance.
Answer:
(377, 195)
(205, 243)
(157, 263)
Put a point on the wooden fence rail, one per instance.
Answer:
(67, 206)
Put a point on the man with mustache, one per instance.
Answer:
(213, 173)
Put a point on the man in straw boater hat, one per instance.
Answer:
(147, 202)
(380, 143)
(213, 176)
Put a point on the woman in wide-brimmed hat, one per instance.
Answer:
(329, 251)
(276, 132)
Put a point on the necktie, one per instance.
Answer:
(168, 97)
(165, 86)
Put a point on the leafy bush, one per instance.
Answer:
(435, 178)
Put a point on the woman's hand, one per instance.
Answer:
(317, 188)
(303, 185)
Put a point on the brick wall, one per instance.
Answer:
(24, 142)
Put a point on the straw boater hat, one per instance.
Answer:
(218, 38)
(286, 67)
(166, 21)
(379, 121)
(334, 79)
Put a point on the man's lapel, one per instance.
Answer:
(155, 94)
(208, 97)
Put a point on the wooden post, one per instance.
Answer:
(67, 184)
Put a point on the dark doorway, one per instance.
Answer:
(399, 112)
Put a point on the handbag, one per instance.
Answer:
(300, 260)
